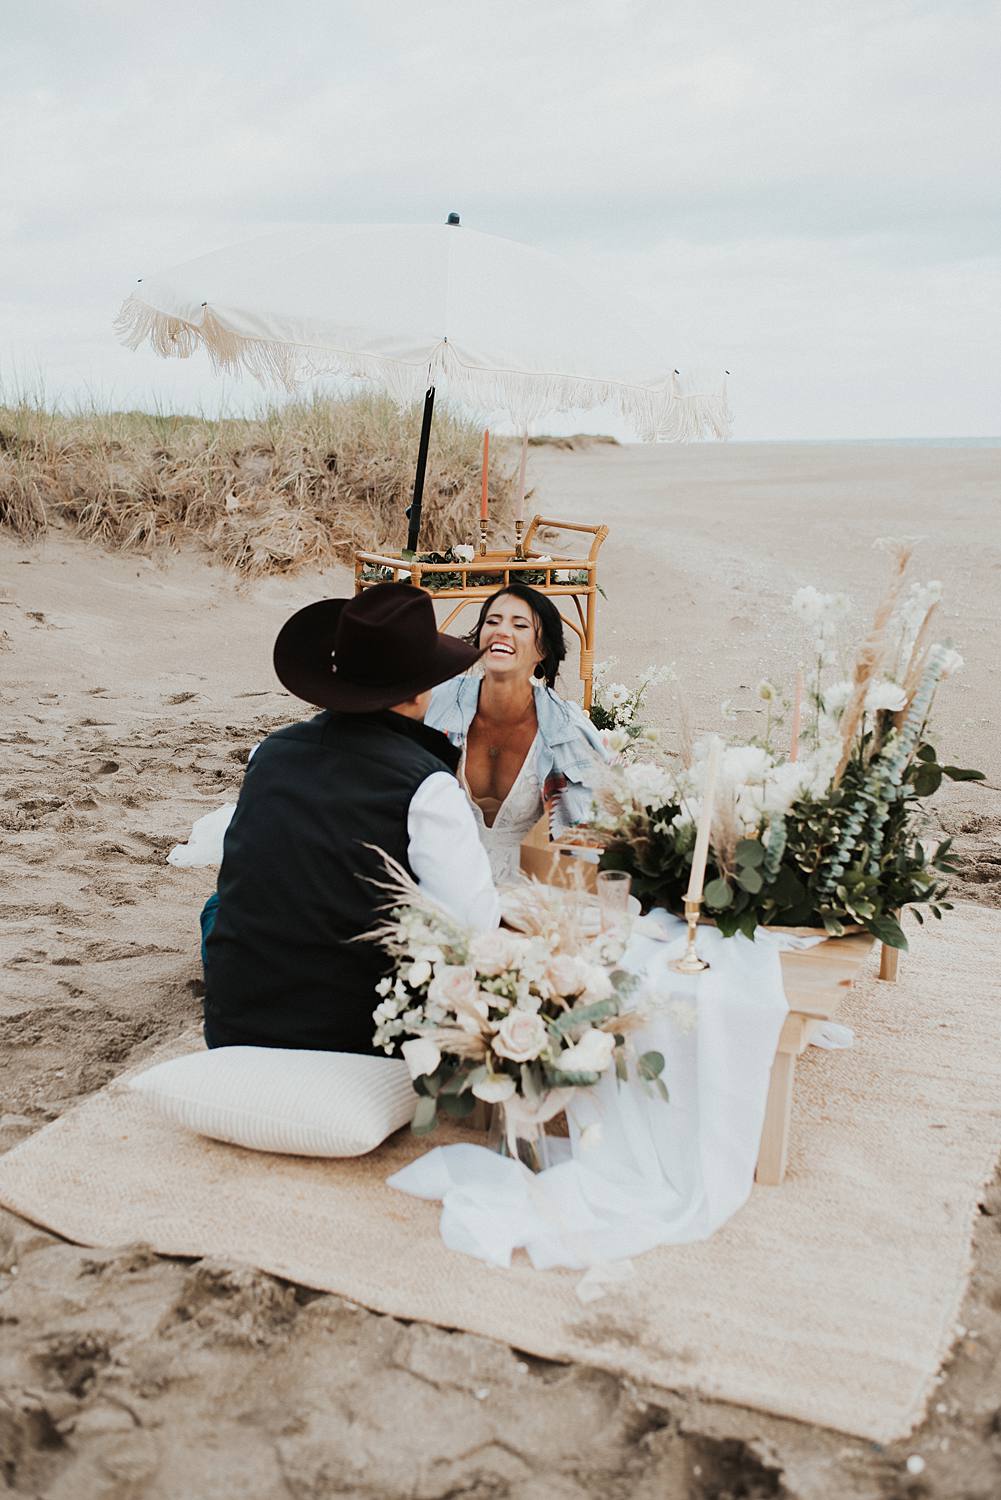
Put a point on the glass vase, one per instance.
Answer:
(531, 1144)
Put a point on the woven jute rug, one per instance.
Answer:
(831, 1299)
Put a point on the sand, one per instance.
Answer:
(132, 691)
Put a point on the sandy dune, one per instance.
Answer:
(131, 693)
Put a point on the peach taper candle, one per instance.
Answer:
(486, 470)
(519, 512)
(797, 714)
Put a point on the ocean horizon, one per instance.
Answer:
(879, 442)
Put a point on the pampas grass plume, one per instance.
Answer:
(869, 660)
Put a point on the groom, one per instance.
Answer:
(287, 961)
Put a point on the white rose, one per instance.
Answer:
(784, 786)
(463, 552)
(591, 1054)
(741, 764)
(454, 985)
(648, 785)
(521, 1037)
(491, 953)
(819, 768)
(418, 974)
(495, 1089)
(565, 974)
(421, 1055)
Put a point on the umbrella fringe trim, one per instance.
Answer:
(665, 412)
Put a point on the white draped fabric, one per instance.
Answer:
(499, 325)
(654, 1173)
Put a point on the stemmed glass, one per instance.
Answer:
(613, 903)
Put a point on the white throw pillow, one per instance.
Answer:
(205, 841)
(276, 1099)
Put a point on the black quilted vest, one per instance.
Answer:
(282, 969)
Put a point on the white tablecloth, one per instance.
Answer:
(655, 1173)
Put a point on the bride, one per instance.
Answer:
(525, 749)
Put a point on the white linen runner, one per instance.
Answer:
(651, 1173)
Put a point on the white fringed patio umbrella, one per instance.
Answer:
(497, 324)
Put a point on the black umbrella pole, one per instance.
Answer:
(414, 512)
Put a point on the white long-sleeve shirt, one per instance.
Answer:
(448, 860)
(445, 852)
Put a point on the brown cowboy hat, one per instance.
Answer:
(373, 651)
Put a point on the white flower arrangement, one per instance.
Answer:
(616, 709)
(822, 829)
(505, 1017)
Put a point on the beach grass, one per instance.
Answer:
(298, 485)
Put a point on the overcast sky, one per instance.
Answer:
(808, 192)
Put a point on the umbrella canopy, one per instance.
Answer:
(496, 324)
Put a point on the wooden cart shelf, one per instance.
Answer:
(572, 578)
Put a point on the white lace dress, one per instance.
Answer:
(513, 819)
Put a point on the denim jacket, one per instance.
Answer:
(567, 751)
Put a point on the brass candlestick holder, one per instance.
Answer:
(483, 538)
(690, 962)
(519, 545)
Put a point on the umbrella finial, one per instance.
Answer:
(452, 219)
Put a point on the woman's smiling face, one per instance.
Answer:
(509, 636)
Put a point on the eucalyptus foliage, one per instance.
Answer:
(852, 857)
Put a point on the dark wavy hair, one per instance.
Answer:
(549, 635)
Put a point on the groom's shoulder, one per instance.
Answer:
(309, 730)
